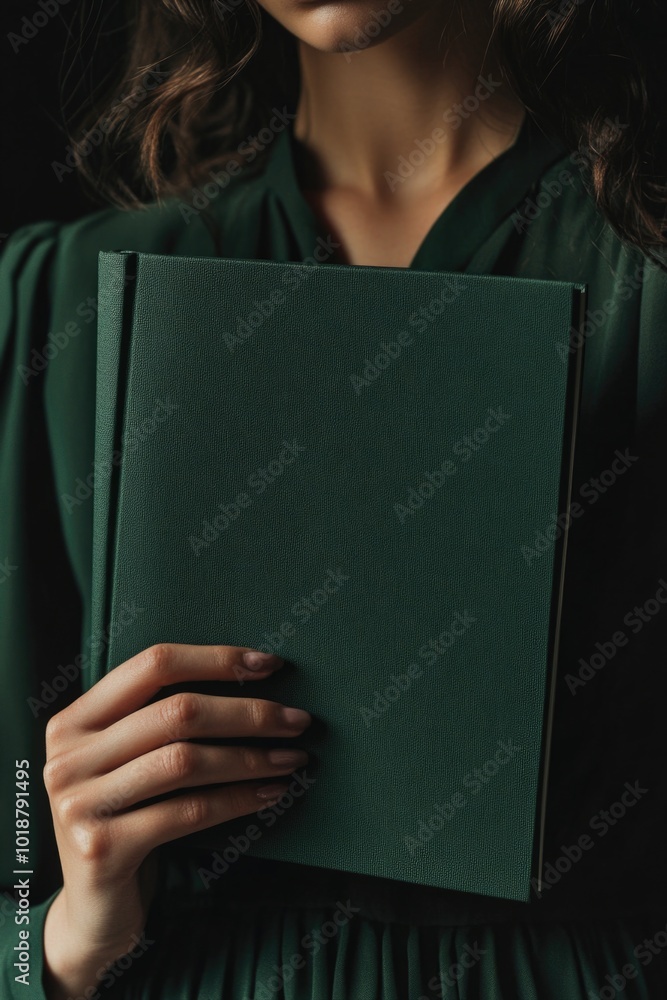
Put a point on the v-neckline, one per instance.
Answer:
(465, 223)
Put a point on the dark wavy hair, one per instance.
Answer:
(201, 78)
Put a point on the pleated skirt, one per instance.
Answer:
(199, 949)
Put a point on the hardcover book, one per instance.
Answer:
(346, 465)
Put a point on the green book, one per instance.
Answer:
(349, 466)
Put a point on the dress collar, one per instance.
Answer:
(463, 227)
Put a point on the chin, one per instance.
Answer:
(344, 26)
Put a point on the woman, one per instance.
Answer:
(512, 137)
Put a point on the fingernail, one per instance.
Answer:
(254, 660)
(271, 792)
(296, 717)
(288, 758)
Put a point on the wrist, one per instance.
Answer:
(73, 962)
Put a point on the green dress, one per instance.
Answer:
(270, 930)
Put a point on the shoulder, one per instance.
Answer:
(183, 225)
(567, 237)
(559, 204)
(59, 247)
(51, 267)
(627, 290)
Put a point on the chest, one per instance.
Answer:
(385, 232)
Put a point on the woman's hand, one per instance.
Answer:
(110, 751)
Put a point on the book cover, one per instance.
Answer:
(343, 465)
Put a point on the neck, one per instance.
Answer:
(426, 89)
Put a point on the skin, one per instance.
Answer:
(109, 751)
(358, 112)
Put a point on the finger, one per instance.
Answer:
(186, 765)
(148, 827)
(132, 684)
(187, 716)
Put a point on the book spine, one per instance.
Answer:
(574, 391)
(116, 284)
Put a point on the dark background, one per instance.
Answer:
(36, 77)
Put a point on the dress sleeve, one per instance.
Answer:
(40, 608)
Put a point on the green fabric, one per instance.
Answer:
(525, 215)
